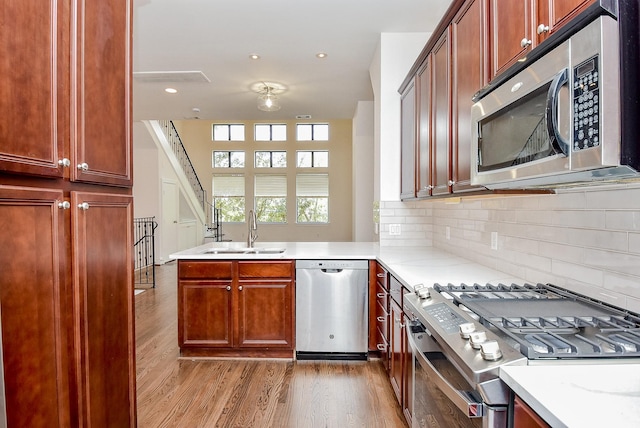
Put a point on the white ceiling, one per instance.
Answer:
(216, 37)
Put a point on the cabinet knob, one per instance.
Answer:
(381, 347)
(64, 205)
(240, 288)
(542, 29)
(228, 288)
(451, 182)
(84, 206)
(525, 42)
(83, 166)
(64, 162)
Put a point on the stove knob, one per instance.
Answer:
(466, 329)
(477, 338)
(490, 350)
(424, 293)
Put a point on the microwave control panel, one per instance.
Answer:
(586, 106)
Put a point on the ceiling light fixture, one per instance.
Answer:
(254, 56)
(321, 55)
(171, 90)
(267, 100)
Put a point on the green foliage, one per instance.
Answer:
(313, 210)
(231, 209)
(271, 210)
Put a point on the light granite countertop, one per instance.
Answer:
(565, 395)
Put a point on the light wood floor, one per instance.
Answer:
(175, 392)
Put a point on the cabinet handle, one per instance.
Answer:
(381, 319)
(380, 275)
(83, 166)
(380, 295)
(64, 205)
(240, 288)
(451, 182)
(542, 29)
(381, 347)
(228, 288)
(525, 42)
(84, 206)
(64, 162)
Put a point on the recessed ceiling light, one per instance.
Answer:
(254, 56)
(321, 55)
(171, 90)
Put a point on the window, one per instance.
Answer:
(312, 198)
(228, 132)
(228, 197)
(228, 159)
(312, 132)
(270, 132)
(313, 158)
(271, 159)
(271, 198)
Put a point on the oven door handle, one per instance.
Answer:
(463, 400)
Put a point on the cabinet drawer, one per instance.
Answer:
(381, 276)
(275, 269)
(396, 290)
(205, 270)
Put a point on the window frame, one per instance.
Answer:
(270, 126)
(313, 131)
(229, 127)
(229, 152)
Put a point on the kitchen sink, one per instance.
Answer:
(244, 250)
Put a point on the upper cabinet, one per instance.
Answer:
(518, 26)
(61, 117)
(475, 41)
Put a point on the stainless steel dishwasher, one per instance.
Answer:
(332, 309)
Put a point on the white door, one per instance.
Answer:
(169, 233)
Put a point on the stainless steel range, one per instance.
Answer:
(479, 328)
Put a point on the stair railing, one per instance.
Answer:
(144, 251)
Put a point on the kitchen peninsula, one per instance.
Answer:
(411, 266)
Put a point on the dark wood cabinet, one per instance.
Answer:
(66, 290)
(468, 74)
(518, 26)
(408, 142)
(379, 326)
(236, 308)
(423, 83)
(525, 417)
(440, 114)
(396, 341)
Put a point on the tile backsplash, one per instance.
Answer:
(586, 240)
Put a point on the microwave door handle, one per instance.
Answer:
(560, 145)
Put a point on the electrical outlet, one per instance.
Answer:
(447, 232)
(494, 240)
(394, 229)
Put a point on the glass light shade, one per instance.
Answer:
(268, 102)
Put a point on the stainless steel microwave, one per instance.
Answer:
(562, 119)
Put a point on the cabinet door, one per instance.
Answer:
(525, 417)
(32, 86)
(396, 357)
(33, 308)
(468, 76)
(552, 14)
(440, 146)
(265, 314)
(102, 88)
(408, 142)
(102, 246)
(424, 184)
(510, 23)
(205, 319)
(407, 374)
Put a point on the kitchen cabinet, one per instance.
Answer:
(451, 71)
(408, 142)
(399, 356)
(525, 417)
(236, 308)
(382, 320)
(66, 293)
(518, 26)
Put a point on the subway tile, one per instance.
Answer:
(623, 284)
(634, 243)
(577, 273)
(622, 220)
(614, 198)
(588, 219)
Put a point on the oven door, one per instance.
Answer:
(441, 395)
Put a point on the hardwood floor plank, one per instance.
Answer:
(181, 392)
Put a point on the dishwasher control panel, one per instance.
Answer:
(332, 264)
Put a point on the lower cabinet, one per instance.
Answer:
(525, 417)
(236, 308)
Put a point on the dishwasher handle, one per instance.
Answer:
(331, 270)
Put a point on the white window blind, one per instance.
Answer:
(228, 185)
(312, 185)
(271, 185)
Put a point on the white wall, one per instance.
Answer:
(362, 171)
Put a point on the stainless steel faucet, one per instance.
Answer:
(252, 233)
